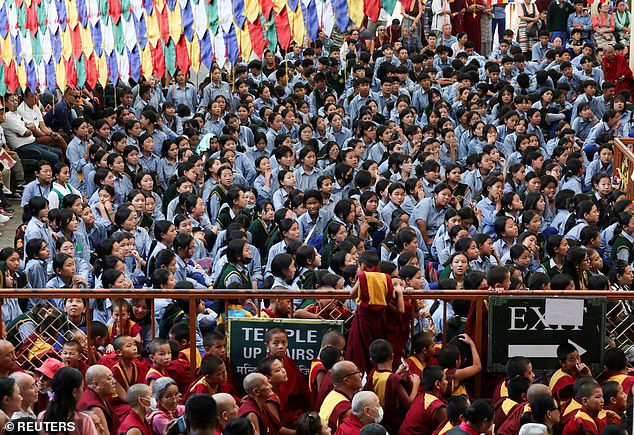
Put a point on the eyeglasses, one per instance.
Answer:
(172, 397)
(352, 374)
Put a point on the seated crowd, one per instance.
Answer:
(367, 168)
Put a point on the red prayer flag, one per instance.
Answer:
(114, 10)
(11, 77)
(158, 58)
(257, 37)
(91, 71)
(183, 62)
(372, 9)
(283, 29)
(75, 39)
(266, 6)
(31, 19)
(163, 24)
(71, 72)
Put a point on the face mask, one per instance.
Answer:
(153, 405)
(250, 207)
(247, 260)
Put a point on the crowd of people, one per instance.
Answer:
(424, 157)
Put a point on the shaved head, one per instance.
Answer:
(341, 370)
(537, 390)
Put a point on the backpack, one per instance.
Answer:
(173, 314)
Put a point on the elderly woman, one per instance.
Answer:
(165, 391)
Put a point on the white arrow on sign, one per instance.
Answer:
(539, 350)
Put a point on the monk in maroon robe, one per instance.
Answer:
(100, 388)
(616, 69)
(139, 398)
(253, 406)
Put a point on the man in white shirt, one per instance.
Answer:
(20, 136)
(29, 110)
(17, 169)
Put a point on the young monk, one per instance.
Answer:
(329, 356)
(161, 356)
(615, 363)
(373, 291)
(587, 420)
(215, 343)
(392, 388)
(274, 371)
(213, 376)
(428, 410)
(295, 390)
(317, 370)
(563, 379)
(517, 389)
(423, 349)
(515, 366)
(127, 372)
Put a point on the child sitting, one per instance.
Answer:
(277, 309)
(127, 371)
(571, 367)
(515, 366)
(428, 409)
(615, 363)
(614, 399)
(296, 389)
(73, 356)
(98, 335)
(180, 334)
(122, 324)
(587, 420)
(517, 389)
(161, 356)
(317, 370)
(450, 359)
(215, 343)
(329, 356)
(277, 403)
(213, 376)
(456, 408)
(423, 349)
(179, 368)
(392, 389)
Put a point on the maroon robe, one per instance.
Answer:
(180, 371)
(618, 72)
(394, 414)
(90, 399)
(324, 388)
(419, 418)
(133, 420)
(266, 421)
(369, 323)
(471, 23)
(398, 332)
(119, 407)
(294, 391)
(512, 424)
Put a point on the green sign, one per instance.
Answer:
(534, 326)
(246, 341)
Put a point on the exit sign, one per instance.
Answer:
(535, 326)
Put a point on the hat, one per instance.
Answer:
(49, 367)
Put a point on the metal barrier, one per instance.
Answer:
(616, 317)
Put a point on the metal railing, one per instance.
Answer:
(616, 316)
